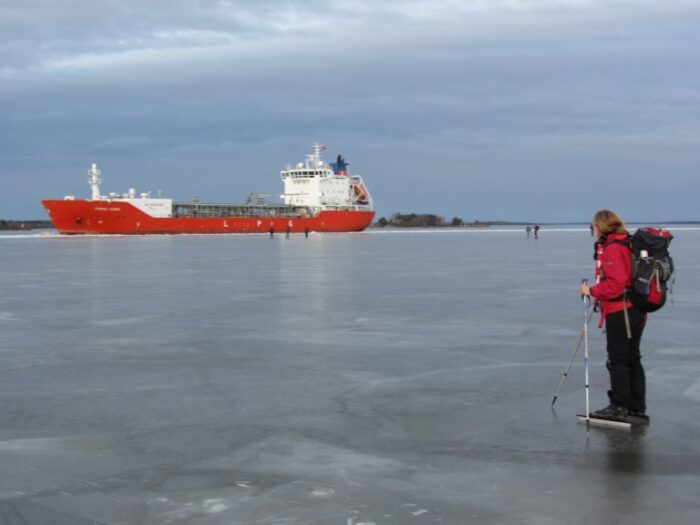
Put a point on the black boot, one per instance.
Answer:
(612, 411)
(641, 416)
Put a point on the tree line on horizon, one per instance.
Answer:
(25, 225)
(417, 220)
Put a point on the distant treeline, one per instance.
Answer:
(423, 220)
(25, 225)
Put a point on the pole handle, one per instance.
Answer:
(586, 298)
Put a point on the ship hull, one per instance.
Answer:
(76, 217)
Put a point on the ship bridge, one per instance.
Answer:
(315, 183)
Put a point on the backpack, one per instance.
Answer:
(652, 268)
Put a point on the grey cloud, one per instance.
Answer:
(459, 112)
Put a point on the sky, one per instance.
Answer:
(523, 110)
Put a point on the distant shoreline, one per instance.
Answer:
(431, 220)
(486, 224)
(25, 225)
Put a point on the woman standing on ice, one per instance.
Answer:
(613, 273)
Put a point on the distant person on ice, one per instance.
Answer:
(527, 230)
(613, 273)
(537, 229)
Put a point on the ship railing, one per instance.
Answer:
(352, 207)
(191, 210)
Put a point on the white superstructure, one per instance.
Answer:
(155, 207)
(317, 184)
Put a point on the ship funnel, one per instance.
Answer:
(94, 180)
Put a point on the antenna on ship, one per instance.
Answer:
(94, 180)
(315, 157)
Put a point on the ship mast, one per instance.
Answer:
(94, 180)
(314, 159)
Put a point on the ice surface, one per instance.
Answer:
(388, 377)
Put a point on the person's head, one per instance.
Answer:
(607, 221)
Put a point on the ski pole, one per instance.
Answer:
(571, 362)
(586, 304)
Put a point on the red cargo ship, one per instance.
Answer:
(317, 196)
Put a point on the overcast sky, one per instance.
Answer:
(533, 110)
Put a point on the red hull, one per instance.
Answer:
(120, 217)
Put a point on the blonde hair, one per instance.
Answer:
(607, 221)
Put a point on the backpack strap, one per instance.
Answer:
(627, 243)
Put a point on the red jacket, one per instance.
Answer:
(613, 272)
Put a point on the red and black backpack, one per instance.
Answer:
(652, 268)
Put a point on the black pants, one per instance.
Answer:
(627, 382)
